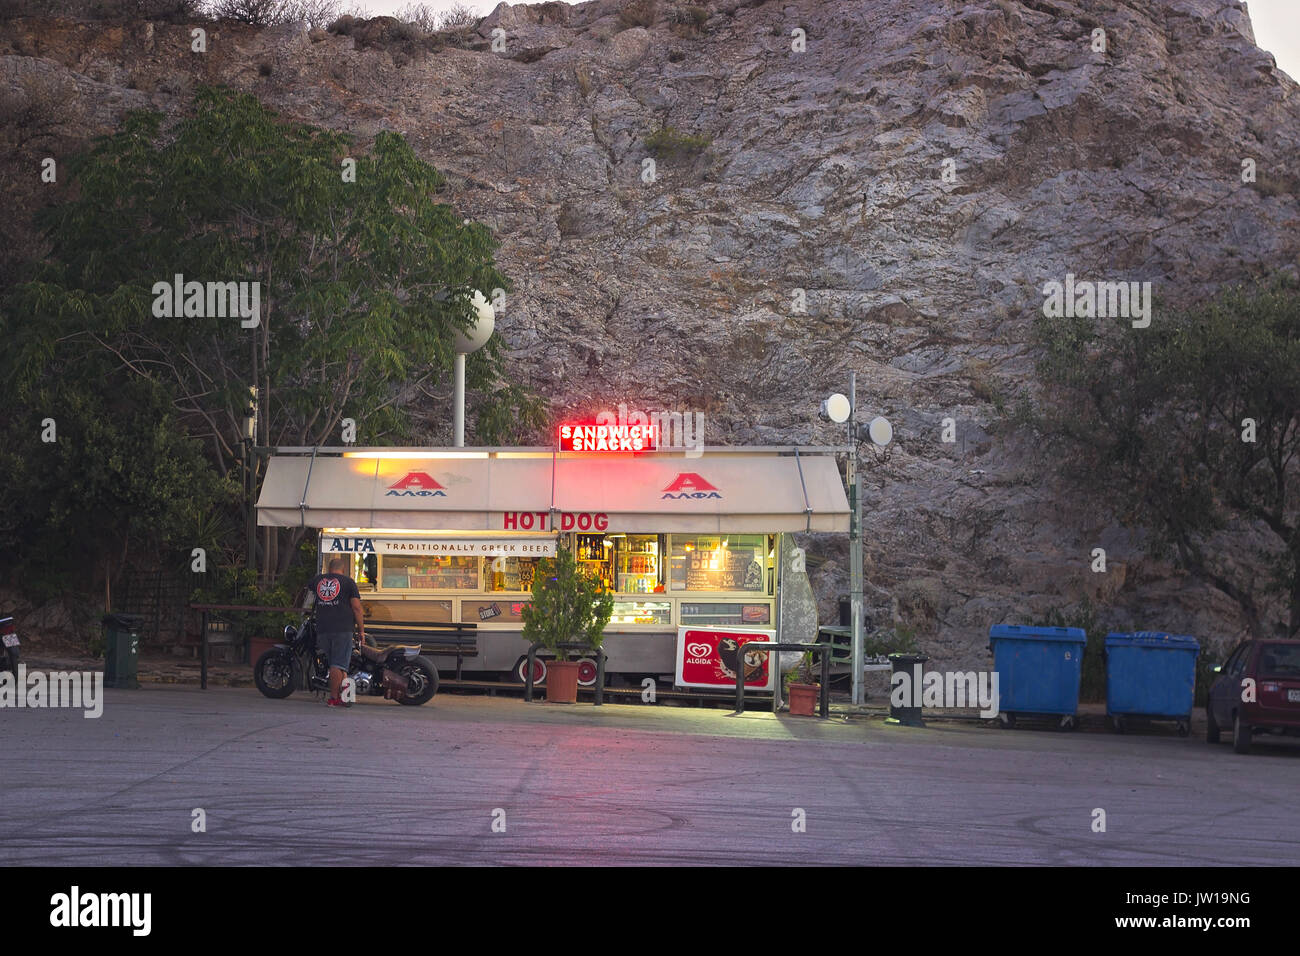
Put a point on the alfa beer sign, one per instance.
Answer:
(710, 656)
(487, 547)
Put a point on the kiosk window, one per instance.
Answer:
(729, 562)
(429, 572)
(511, 574)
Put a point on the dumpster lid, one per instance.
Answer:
(1019, 632)
(124, 621)
(1153, 639)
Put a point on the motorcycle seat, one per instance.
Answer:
(378, 655)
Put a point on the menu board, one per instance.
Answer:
(722, 570)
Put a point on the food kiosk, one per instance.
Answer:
(453, 536)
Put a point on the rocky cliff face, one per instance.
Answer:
(912, 170)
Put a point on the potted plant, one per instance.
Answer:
(568, 606)
(802, 688)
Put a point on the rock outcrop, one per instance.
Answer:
(912, 170)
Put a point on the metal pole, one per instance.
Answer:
(250, 518)
(855, 542)
(780, 607)
(459, 402)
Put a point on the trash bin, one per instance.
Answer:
(1038, 670)
(1151, 674)
(909, 664)
(122, 649)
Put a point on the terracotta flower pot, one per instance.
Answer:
(803, 699)
(562, 682)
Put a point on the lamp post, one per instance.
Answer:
(843, 409)
(250, 483)
(467, 341)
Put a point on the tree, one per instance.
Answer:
(360, 275)
(568, 605)
(119, 479)
(1190, 425)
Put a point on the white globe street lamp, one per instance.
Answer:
(837, 408)
(881, 432)
(467, 341)
(840, 409)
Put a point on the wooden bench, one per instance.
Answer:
(436, 639)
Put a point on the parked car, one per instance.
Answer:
(1274, 707)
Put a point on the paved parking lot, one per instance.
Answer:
(295, 782)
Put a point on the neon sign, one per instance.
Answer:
(609, 437)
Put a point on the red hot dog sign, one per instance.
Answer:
(569, 521)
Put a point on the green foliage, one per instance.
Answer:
(352, 275)
(805, 672)
(899, 639)
(122, 480)
(363, 285)
(1154, 419)
(239, 585)
(568, 605)
(668, 142)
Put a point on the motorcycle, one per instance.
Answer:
(8, 646)
(398, 672)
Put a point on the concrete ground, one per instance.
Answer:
(294, 782)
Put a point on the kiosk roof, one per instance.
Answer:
(730, 490)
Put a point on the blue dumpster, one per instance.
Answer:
(1038, 671)
(1151, 674)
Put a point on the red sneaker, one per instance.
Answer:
(337, 702)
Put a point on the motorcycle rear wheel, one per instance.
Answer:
(277, 674)
(422, 681)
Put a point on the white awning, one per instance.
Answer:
(646, 493)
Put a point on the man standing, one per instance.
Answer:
(338, 606)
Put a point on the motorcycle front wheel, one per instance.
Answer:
(277, 673)
(422, 681)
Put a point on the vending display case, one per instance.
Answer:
(636, 564)
(595, 554)
(642, 612)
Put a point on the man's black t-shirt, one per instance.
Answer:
(334, 593)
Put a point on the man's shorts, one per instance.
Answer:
(336, 646)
